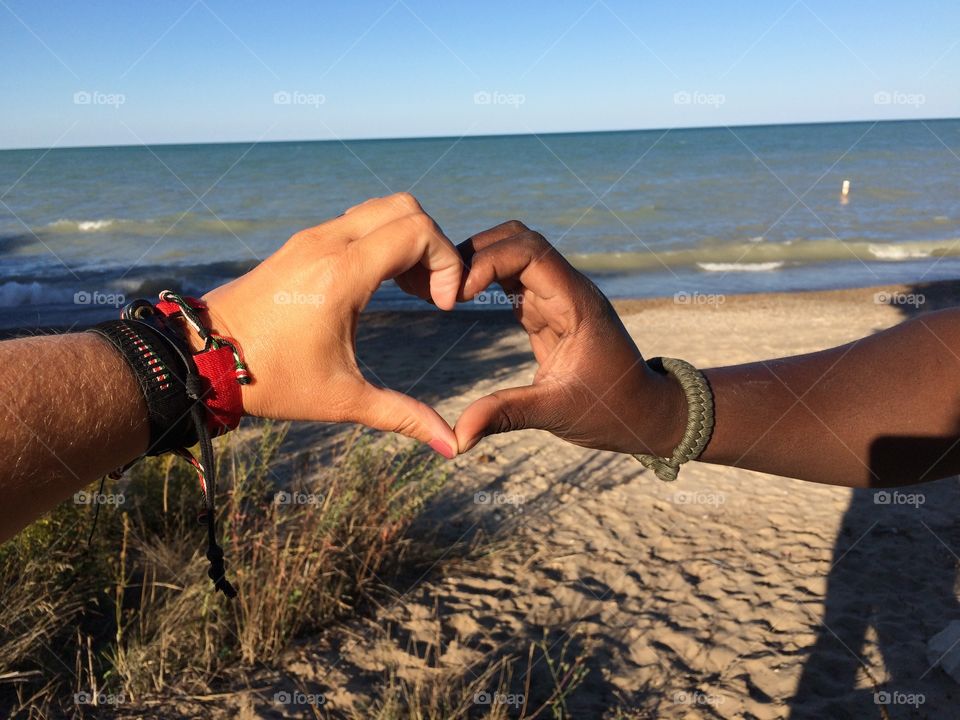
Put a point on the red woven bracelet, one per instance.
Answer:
(211, 380)
(220, 364)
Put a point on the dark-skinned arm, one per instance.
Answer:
(883, 410)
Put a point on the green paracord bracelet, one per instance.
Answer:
(699, 418)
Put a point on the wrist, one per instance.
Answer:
(161, 371)
(213, 322)
(663, 414)
(212, 361)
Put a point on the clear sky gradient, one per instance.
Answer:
(108, 73)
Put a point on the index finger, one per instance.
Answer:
(401, 244)
(473, 244)
(364, 218)
(525, 259)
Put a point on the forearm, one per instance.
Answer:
(70, 412)
(884, 410)
(71, 409)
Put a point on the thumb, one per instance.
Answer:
(505, 411)
(393, 411)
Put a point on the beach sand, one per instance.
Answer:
(727, 594)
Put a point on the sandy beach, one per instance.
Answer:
(748, 183)
(728, 594)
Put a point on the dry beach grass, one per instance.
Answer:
(530, 578)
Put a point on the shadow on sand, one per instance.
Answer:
(452, 523)
(891, 587)
(873, 606)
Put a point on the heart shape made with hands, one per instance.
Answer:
(592, 386)
(295, 316)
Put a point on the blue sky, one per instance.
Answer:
(103, 73)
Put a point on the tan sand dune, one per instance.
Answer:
(703, 598)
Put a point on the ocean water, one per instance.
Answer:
(645, 213)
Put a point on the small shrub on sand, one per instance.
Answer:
(490, 690)
(134, 615)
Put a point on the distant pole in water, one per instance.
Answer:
(845, 192)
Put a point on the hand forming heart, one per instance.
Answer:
(295, 317)
(592, 387)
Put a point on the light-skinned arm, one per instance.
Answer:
(71, 409)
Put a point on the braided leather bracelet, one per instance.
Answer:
(699, 418)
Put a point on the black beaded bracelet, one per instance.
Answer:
(161, 372)
(172, 390)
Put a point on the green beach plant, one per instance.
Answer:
(132, 615)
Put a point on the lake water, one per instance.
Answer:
(646, 213)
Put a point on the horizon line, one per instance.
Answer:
(478, 136)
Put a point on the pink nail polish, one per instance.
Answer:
(441, 447)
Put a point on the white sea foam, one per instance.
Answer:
(93, 225)
(14, 293)
(80, 225)
(896, 252)
(740, 267)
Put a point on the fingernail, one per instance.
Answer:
(466, 284)
(441, 447)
